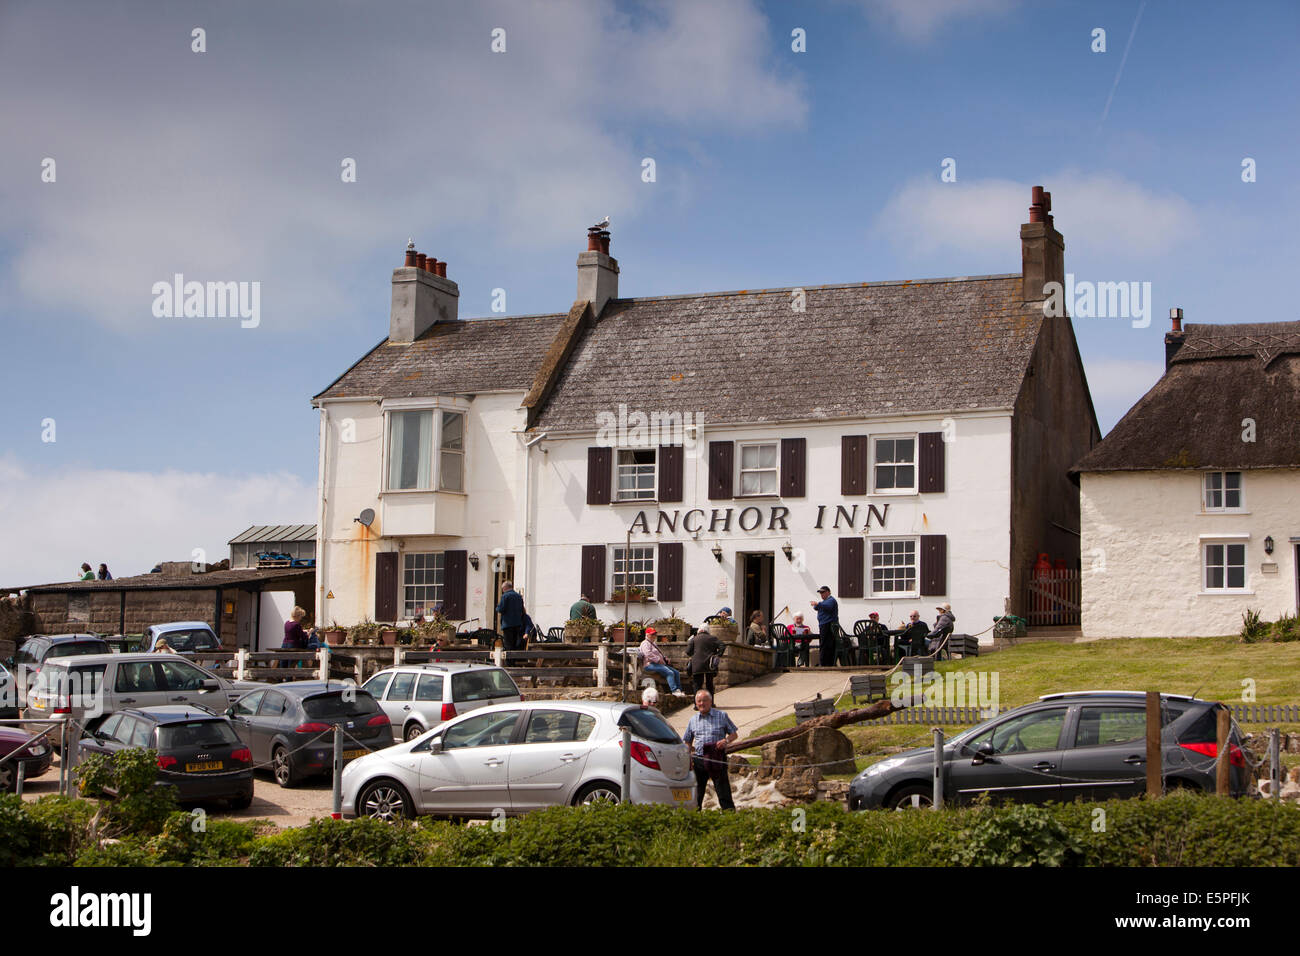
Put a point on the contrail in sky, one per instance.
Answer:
(1124, 59)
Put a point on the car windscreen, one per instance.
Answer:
(333, 705)
(195, 733)
(196, 639)
(77, 649)
(487, 684)
(648, 725)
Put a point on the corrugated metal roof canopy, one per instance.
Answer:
(276, 532)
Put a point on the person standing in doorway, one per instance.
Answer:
(828, 626)
(707, 734)
(511, 609)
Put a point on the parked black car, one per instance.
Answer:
(291, 727)
(17, 747)
(199, 753)
(1089, 745)
(38, 648)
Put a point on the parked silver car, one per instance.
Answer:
(419, 697)
(513, 758)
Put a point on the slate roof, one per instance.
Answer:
(1192, 418)
(162, 582)
(747, 357)
(452, 358)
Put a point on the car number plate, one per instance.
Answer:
(353, 754)
(681, 796)
(205, 765)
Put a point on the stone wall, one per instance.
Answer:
(740, 662)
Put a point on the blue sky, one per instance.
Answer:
(774, 168)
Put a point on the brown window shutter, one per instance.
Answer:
(600, 475)
(453, 585)
(854, 464)
(794, 467)
(930, 473)
(386, 586)
(722, 464)
(593, 572)
(668, 576)
(672, 463)
(852, 551)
(934, 565)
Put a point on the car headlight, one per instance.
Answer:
(37, 750)
(887, 764)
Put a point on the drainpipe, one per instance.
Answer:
(320, 522)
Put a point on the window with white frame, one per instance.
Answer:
(894, 465)
(1225, 566)
(413, 435)
(451, 452)
(1222, 491)
(635, 474)
(758, 468)
(422, 581)
(633, 567)
(893, 566)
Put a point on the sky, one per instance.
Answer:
(900, 142)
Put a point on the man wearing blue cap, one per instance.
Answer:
(828, 624)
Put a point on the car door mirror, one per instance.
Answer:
(210, 685)
(983, 754)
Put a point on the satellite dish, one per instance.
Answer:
(367, 517)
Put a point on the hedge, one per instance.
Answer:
(1183, 829)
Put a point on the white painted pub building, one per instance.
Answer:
(907, 444)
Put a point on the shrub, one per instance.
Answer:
(139, 807)
(341, 843)
(1016, 836)
(1252, 628)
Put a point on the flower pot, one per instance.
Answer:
(615, 635)
(335, 635)
(583, 633)
(387, 636)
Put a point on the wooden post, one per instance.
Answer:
(1223, 765)
(1155, 768)
(938, 767)
(602, 665)
(1275, 764)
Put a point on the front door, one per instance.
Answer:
(756, 588)
(503, 569)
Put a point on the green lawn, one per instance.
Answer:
(1211, 668)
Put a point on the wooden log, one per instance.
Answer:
(881, 708)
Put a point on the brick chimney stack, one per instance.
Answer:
(422, 295)
(1042, 248)
(1175, 337)
(597, 271)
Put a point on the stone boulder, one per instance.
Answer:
(798, 779)
(822, 747)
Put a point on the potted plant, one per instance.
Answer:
(725, 631)
(365, 633)
(583, 630)
(672, 627)
(335, 633)
(436, 630)
(406, 636)
(634, 594)
(387, 635)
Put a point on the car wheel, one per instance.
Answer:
(915, 796)
(385, 800)
(8, 778)
(598, 792)
(242, 802)
(282, 767)
(413, 730)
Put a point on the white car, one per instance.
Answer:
(419, 697)
(513, 758)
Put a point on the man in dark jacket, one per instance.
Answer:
(511, 609)
(910, 639)
(701, 648)
(828, 626)
(942, 627)
(874, 640)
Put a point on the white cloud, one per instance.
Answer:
(225, 165)
(1095, 211)
(919, 19)
(131, 520)
(1116, 385)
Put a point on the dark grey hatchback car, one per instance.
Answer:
(1089, 745)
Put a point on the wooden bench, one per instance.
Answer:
(869, 686)
(805, 710)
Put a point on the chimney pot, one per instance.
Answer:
(604, 241)
(442, 269)
(410, 254)
(421, 261)
(431, 264)
(593, 239)
(1176, 318)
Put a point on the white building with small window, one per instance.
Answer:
(1191, 505)
(907, 444)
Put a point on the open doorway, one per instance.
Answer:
(757, 572)
(503, 570)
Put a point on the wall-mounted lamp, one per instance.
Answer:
(717, 553)
(1268, 545)
(473, 560)
(787, 551)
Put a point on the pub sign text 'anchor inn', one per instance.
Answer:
(752, 519)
